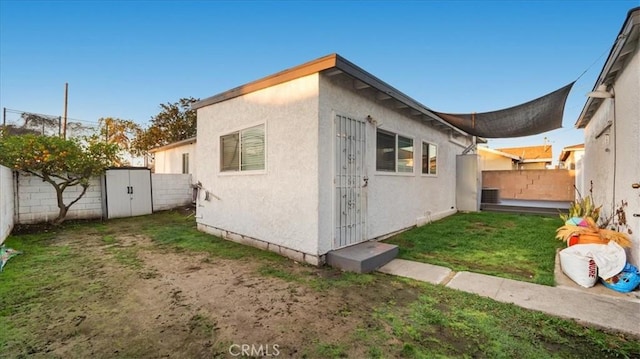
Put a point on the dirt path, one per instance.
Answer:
(162, 303)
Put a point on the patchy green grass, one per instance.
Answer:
(445, 323)
(521, 247)
(45, 275)
(391, 317)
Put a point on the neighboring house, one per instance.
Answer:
(571, 159)
(494, 160)
(571, 156)
(320, 157)
(532, 157)
(177, 157)
(611, 122)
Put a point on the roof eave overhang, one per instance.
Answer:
(173, 145)
(537, 160)
(500, 153)
(331, 65)
(623, 48)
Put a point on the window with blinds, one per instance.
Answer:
(243, 150)
(394, 153)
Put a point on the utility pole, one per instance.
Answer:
(66, 101)
(4, 117)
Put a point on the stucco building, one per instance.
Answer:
(319, 157)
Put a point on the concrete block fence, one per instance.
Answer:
(27, 199)
(171, 190)
(554, 185)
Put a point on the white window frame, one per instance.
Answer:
(422, 154)
(239, 169)
(397, 154)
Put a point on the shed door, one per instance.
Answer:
(128, 192)
(140, 183)
(118, 197)
(350, 182)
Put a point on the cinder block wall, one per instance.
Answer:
(37, 201)
(6, 202)
(170, 190)
(550, 185)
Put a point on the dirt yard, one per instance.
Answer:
(160, 302)
(154, 287)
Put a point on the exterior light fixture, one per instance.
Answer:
(600, 92)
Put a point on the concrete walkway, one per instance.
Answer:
(620, 313)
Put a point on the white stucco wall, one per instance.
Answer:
(280, 204)
(7, 196)
(611, 161)
(170, 160)
(37, 201)
(171, 190)
(493, 162)
(394, 201)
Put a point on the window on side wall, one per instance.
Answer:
(394, 153)
(185, 163)
(429, 158)
(243, 150)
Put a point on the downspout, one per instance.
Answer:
(615, 150)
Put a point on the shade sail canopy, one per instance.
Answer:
(531, 118)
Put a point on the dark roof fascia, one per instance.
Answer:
(173, 144)
(592, 104)
(329, 62)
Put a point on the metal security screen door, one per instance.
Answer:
(350, 182)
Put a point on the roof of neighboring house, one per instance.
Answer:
(531, 153)
(625, 45)
(499, 153)
(567, 151)
(188, 141)
(332, 65)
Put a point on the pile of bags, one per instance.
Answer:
(606, 259)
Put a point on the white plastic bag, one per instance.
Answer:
(610, 259)
(577, 263)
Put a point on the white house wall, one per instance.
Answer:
(617, 148)
(395, 201)
(170, 161)
(7, 196)
(280, 204)
(627, 143)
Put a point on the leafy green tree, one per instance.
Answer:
(59, 162)
(118, 131)
(176, 122)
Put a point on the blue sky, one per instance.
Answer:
(123, 58)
